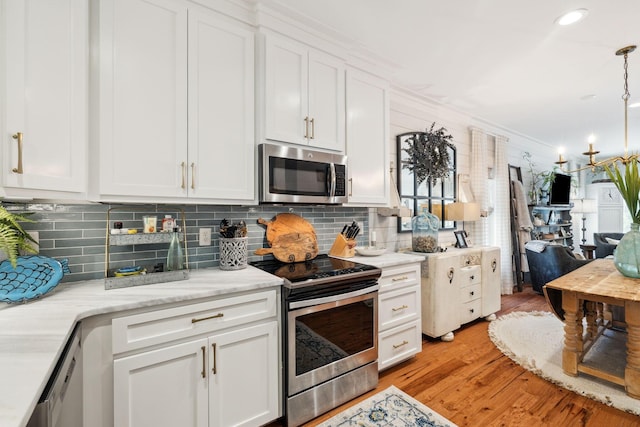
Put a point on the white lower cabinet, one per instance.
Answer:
(163, 387)
(227, 375)
(399, 314)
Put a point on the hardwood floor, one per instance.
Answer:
(472, 383)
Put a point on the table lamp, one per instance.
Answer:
(459, 211)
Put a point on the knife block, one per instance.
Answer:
(343, 247)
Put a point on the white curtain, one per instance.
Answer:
(479, 176)
(501, 217)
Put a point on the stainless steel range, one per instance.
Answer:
(330, 335)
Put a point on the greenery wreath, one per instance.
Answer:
(430, 153)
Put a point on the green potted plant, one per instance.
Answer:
(626, 256)
(13, 238)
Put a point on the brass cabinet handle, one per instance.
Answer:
(313, 129)
(306, 127)
(397, 279)
(196, 320)
(402, 307)
(404, 342)
(18, 137)
(182, 165)
(214, 369)
(204, 362)
(193, 176)
(350, 187)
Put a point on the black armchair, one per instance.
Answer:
(604, 248)
(554, 261)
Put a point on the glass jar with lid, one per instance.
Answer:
(424, 236)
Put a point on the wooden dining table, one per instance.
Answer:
(588, 292)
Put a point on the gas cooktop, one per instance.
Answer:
(320, 270)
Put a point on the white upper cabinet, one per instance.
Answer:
(45, 70)
(175, 105)
(367, 139)
(304, 95)
(221, 109)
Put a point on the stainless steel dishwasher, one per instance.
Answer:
(61, 402)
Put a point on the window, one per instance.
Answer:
(417, 197)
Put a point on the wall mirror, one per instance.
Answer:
(426, 195)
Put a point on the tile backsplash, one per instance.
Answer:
(78, 232)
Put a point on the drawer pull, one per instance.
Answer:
(397, 279)
(214, 369)
(204, 362)
(450, 275)
(494, 265)
(472, 293)
(404, 342)
(472, 277)
(472, 311)
(402, 307)
(195, 320)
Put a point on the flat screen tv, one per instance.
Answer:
(560, 190)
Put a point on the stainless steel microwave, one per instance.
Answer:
(298, 175)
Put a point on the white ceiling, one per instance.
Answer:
(505, 61)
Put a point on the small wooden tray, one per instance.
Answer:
(343, 247)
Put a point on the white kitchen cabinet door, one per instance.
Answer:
(286, 82)
(142, 112)
(221, 109)
(326, 102)
(244, 376)
(367, 139)
(165, 387)
(441, 295)
(46, 86)
(491, 301)
(304, 95)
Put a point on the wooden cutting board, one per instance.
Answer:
(292, 247)
(286, 223)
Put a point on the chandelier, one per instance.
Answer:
(626, 158)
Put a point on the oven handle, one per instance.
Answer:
(332, 298)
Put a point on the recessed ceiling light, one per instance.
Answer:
(572, 17)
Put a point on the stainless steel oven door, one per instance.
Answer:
(330, 336)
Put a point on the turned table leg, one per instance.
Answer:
(632, 371)
(572, 350)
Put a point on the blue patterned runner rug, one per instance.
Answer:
(390, 407)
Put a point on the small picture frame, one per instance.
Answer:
(461, 239)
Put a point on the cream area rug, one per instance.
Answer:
(390, 407)
(534, 341)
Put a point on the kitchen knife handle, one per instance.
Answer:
(182, 165)
(193, 176)
(18, 137)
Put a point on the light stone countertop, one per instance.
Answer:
(389, 259)
(33, 335)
